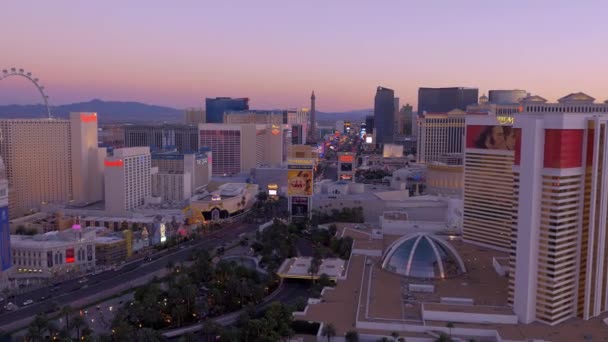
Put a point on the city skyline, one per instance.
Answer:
(164, 55)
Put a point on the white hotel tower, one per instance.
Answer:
(560, 237)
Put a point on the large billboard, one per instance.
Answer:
(5, 240)
(491, 137)
(392, 151)
(299, 182)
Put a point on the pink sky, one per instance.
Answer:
(276, 52)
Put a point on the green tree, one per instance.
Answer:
(211, 330)
(280, 318)
(328, 331)
(443, 337)
(352, 336)
(450, 326)
(78, 323)
(66, 312)
(37, 328)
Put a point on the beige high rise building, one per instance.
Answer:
(195, 116)
(51, 160)
(440, 135)
(38, 162)
(87, 158)
(127, 179)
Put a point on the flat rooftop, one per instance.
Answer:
(368, 293)
(298, 268)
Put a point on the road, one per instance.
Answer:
(72, 290)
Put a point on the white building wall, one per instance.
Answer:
(127, 179)
(528, 220)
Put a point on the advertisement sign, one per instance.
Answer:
(299, 206)
(5, 240)
(163, 232)
(368, 139)
(346, 158)
(69, 256)
(275, 130)
(491, 137)
(392, 151)
(299, 182)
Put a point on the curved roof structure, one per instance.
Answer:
(423, 255)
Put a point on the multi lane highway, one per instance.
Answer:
(73, 290)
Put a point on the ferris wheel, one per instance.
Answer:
(28, 75)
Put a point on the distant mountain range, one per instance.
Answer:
(130, 112)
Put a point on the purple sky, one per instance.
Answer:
(275, 52)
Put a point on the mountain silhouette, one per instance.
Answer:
(135, 112)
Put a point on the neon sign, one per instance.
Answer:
(346, 159)
(86, 118)
(113, 163)
(505, 120)
(275, 130)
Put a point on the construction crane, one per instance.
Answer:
(194, 216)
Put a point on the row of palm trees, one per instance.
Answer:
(42, 326)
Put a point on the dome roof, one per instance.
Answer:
(423, 255)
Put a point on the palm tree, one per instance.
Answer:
(352, 336)
(36, 329)
(329, 331)
(66, 312)
(78, 323)
(443, 338)
(395, 335)
(450, 325)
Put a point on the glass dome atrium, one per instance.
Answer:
(423, 255)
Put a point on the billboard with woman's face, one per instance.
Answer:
(299, 182)
(491, 137)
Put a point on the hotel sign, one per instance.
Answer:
(505, 120)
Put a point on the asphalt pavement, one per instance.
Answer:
(73, 290)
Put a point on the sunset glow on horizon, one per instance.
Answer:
(276, 52)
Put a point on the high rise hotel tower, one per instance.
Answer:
(561, 221)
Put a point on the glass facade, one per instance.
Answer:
(443, 100)
(423, 256)
(215, 107)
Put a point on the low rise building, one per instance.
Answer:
(110, 250)
(227, 200)
(53, 254)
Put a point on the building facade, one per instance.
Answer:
(127, 179)
(403, 124)
(179, 175)
(506, 96)
(53, 254)
(237, 148)
(559, 263)
(38, 162)
(384, 115)
(110, 250)
(442, 100)
(216, 107)
(488, 181)
(440, 135)
(194, 116)
(182, 138)
(5, 232)
(87, 158)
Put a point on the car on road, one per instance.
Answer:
(28, 302)
(54, 288)
(41, 298)
(83, 280)
(85, 286)
(148, 259)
